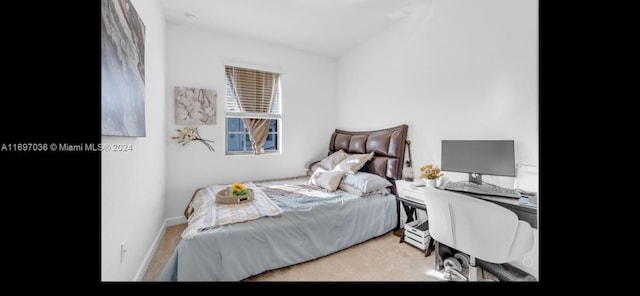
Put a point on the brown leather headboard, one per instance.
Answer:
(388, 146)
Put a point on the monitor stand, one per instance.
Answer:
(475, 178)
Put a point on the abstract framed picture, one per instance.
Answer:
(195, 105)
(122, 75)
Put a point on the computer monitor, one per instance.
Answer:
(478, 157)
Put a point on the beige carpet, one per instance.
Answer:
(379, 259)
(165, 249)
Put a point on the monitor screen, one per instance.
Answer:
(487, 157)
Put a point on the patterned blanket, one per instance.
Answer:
(209, 214)
(300, 197)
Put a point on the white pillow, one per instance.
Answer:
(353, 163)
(366, 182)
(326, 180)
(358, 192)
(332, 160)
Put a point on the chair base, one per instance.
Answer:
(503, 272)
(506, 272)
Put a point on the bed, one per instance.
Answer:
(305, 229)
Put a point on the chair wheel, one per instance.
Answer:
(451, 263)
(463, 259)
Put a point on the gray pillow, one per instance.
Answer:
(358, 192)
(366, 182)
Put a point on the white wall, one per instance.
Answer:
(195, 58)
(133, 183)
(455, 69)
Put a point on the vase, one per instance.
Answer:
(431, 183)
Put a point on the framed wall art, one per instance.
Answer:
(123, 73)
(195, 105)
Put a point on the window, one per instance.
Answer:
(253, 116)
(239, 141)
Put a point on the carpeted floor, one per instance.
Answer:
(164, 251)
(379, 259)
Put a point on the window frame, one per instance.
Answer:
(271, 116)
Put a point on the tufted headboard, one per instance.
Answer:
(388, 146)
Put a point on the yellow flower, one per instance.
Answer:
(238, 189)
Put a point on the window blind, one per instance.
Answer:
(252, 93)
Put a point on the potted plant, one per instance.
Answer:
(430, 174)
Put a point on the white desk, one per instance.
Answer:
(409, 191)
(411, 198)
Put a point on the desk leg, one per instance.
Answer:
(439, 261)
(430, 247)
(411, 212)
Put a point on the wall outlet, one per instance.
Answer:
(123, 250)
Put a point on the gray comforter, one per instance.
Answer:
(237, 251)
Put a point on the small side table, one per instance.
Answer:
(411, 200)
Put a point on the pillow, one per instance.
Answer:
(326, 180)
(353, 163)
(311, 163)
(366, 182)
(313, 168)
(356, 191)
(332, 160)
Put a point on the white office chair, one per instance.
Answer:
(478, 228)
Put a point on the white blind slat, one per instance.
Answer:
(250, 91)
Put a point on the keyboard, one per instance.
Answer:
(482, 189)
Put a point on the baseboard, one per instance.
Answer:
(175, 220)
(154, 246)
(147, 257)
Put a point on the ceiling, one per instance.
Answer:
(328, 27)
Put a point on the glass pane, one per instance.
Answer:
(247, 143)
(238, 139)
(235, 124)
(275, 142)
(271, 143)
(234, 142)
